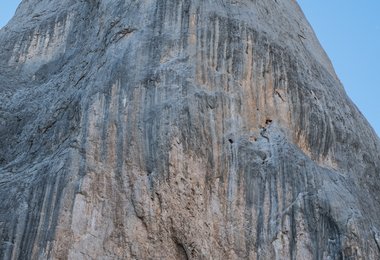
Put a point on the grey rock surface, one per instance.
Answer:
(179, 129)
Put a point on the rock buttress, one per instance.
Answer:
(179, 130)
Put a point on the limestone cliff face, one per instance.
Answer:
(179, 129)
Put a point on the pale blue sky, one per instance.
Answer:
(7, 10)
(349, 30)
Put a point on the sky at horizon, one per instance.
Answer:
(350, 34)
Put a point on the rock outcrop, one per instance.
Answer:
(179, 129)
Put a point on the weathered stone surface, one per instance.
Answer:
(183, 129)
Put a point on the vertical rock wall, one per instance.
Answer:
(179, 130)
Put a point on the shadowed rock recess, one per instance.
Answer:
(179, 129)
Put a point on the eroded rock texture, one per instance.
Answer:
(179, 129)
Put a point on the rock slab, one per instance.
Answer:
(186, 129)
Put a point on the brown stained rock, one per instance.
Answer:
(179, 130)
